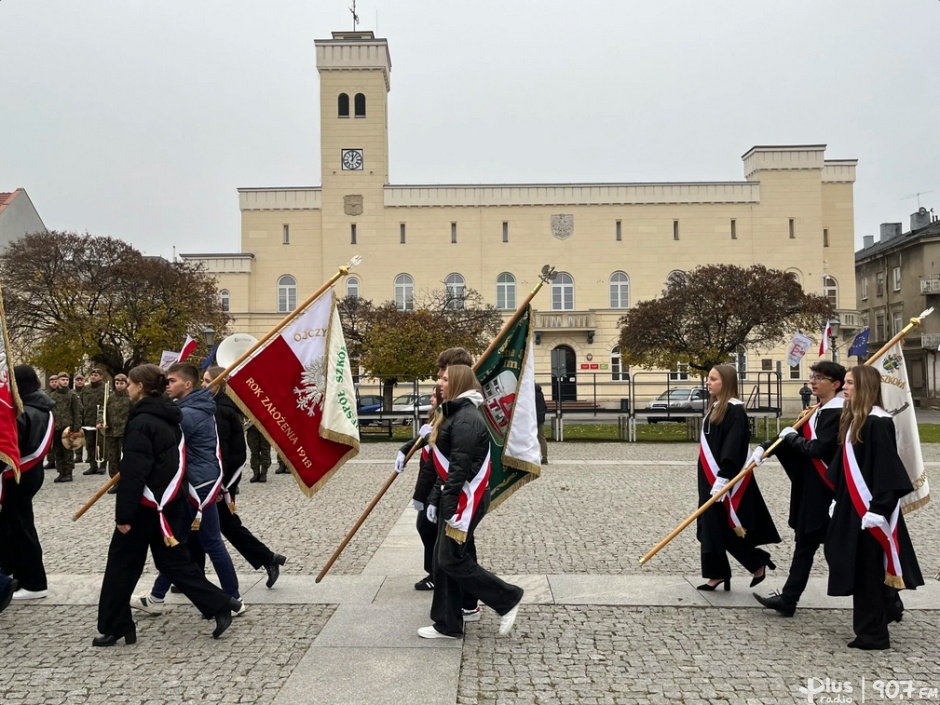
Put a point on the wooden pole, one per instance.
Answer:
(804, 417)
(98, 495)
(547, 274)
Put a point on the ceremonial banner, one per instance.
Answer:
(10, 404)
(824, 343)
(859, 346)
(298, 389)
(508, 379)
(798, 347)
(169, 357)
(896, 394)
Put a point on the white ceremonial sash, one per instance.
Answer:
(150, 500)
(194, 497)
(809, 433)
(29, 461)
(227, 488)
(732, 498)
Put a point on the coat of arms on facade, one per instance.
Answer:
(313, 381)
(562, 226)
(352, 205)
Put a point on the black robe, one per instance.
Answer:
(884, 473)
(728, 442)
(810, 496)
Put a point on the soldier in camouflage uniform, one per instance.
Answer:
(53, 383)
(92, 396)
(68, 414)
(260, 454)
(119, 407)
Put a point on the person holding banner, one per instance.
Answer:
(739, 522)
(149, 511)
(460, 447)
(805, 456)
(424, 484)
(868, 549)
(20, 550)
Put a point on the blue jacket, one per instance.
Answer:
(202, 463)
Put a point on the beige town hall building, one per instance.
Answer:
(612, 243)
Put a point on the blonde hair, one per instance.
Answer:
(729, 390)
(867, 393)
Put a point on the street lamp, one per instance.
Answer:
(834, 324)
(208, 334)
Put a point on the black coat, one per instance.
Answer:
(465, 441)
(884, 473)
(33, 424)
(150, 456)
(228, 421)
(810, 496)
(728, 442)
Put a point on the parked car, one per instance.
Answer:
(405, 403)
(368, 404)
(680, 403)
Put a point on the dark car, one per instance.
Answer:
(368, 404)
(677, 404)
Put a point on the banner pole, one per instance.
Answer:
(546, 275)
(804, 417)
(341, 272)
(98, 495)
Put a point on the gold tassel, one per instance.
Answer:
(196, 523)
(894, 581)
(170, 541)
(456, 534)
(740, 531)
(231, 508)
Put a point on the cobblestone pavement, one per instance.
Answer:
(596, 509)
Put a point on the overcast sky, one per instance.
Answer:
(140, 120)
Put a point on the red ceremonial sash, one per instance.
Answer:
(29, 461)
(809, 433)
(227, 488)
(886, 533)
(194, 497)
(150, 500)
(732, 498)
(471, 495)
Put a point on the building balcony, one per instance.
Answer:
(849, 321)
(565, 322)
(930, 286)
(930, 341)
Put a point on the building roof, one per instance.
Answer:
(903, 240)
(6, 197)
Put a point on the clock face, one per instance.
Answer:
(352, 159)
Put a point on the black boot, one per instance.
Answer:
(777, 602)
(274, 569)
(223, 620)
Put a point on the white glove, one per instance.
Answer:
(720, 484)
(425, 431)
(432, 513)
(757, 457)
(399, 462)
(832, 508)
(788, 431)
(419, 506)
(871, 520)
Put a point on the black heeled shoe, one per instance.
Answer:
(769, 565)
(130, 637)
(708, 587)
(273, 569)
(223, 620)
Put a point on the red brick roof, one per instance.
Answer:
(6, 198)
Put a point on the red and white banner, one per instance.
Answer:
(824, 343)
(189, 347)
(171, 357)
(298, 389)
(10, 404)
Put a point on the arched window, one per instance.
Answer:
(831, 291)
(352, 287)
(618, 373)
(795, 273)
(226, 298)
(405, 292)
(619, 290)
(360, 104)
(676, 278)
(342, 105)
(456, 288)
(563, 292)
(286, 294)
(506, 292)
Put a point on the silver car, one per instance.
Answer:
(678, 404)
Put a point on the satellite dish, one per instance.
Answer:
(233, 347)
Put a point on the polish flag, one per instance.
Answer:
(298, 389)
(189, 347)
(824, 343)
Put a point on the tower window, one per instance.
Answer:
(401, 233)
(618, 232)
(360, 101)
(342, 105)
(353, 231)
(453, 232)
(285, 237)
(792, 229)
(734, 229)
(675, 230)
(825, 237)
(505, 231)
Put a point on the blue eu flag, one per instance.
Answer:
(860, 344)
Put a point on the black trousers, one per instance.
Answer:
(871, 597)
(456, 571)
(428, 533)
(242, 540)
(20, 550)
(801, 565)
(715, 564)
(126, 558)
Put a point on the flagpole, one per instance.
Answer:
(546, 275)
(112, 481)
(341, 272)
(804, 416)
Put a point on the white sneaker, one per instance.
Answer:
(24, 594)
(145, 603)
(507, 620)
(432, 633)
(241, 610)
(472, 615)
